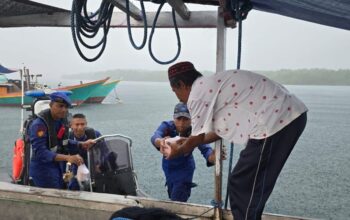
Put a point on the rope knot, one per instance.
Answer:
(216, 204)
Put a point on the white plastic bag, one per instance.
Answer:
(171, 140)
(83, 173)
(167, 148)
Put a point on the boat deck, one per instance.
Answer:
(39, 203)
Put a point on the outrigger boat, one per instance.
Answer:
(89, 205)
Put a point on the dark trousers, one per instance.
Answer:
(179, 191)
(254, 176)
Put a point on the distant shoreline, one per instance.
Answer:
(284, 76)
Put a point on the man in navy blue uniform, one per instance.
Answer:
(179, 171)
(50, 145)
(80, 132)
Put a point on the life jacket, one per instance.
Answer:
(17, 161)
(55, 136)
(89, 132)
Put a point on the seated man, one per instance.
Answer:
(80, 132)
(179, 171)
(50, 145)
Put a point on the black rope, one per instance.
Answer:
(201, 214)
(239, 48)
(229, 171)
(239, 10)
(151, 37)
(144, 18)
(84, 24)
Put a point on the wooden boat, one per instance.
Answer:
(100, 93)
(11, 94)
(8, 98)
(11, 90)
(19, 202)
(83, 91)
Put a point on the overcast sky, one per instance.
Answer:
(270, 42)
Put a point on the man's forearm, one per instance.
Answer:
(191, 143)
(210, 137)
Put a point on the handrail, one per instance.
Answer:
(113, 135)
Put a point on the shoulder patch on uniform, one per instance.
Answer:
(41, 129)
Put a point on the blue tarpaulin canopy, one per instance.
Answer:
(334, 13)
(4, 70)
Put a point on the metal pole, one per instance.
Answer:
(220, 42)
(89, 166)
(220, 66)
(218, 180)
(22, 100)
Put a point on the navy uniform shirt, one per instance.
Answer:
(82, 152)
(73, 184)
(180, 168)
(45, 171)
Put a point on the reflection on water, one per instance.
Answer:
(314, 183)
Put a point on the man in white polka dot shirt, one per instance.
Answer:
(245, 108)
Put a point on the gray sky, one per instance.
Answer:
(270, 42)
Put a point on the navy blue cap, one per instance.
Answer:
(181, 110)
(60, 97)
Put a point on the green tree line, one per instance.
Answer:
(284, 76)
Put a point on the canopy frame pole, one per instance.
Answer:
(220, 66)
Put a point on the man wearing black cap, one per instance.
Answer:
(179, 171)
(245, 108)
(50, 144)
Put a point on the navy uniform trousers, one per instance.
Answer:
(254, 176)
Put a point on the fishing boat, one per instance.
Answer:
(11, 95)
(11, 90)
(100, 93)
(100, 206)
(83, 91)
(12, 98)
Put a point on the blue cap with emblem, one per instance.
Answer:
(61, 97)
(181, 110)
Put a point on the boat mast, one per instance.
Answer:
(27, 79)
